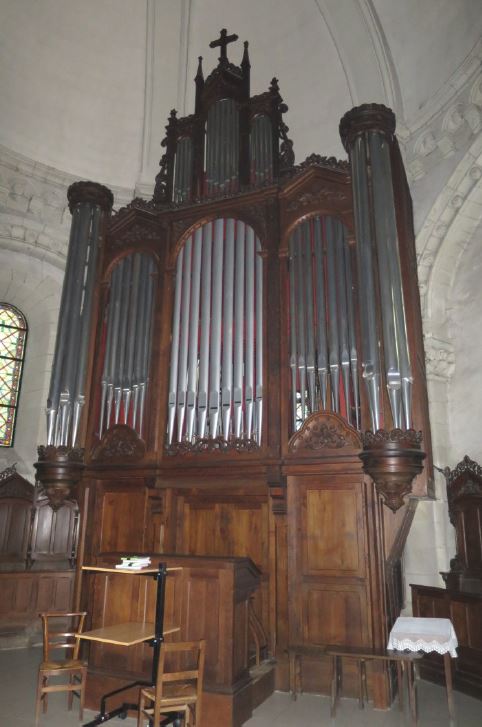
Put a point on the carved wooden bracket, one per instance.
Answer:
(392, 459)
(59, 470)
(119, 444)
(321, 431)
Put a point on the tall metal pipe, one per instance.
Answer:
(321, 341)
(300, 307)
(249, 355)
(293, 333)
(86, 310)
(216, 321)
(184, 339)
(193, 336)
(342, 313)
(176, 323)
(228, 321)
(259, 342)
(310, 332)
(205, 329)
(366, 281)
(333, 338)
(238, 372)
(352, 334)
(397, 361)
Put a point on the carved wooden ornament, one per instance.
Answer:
(324, 430)
(120, 444)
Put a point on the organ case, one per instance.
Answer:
(255, 371)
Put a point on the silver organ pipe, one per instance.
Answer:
(342, 304)
(366, 282)
(88, 203)
(352, 334)
(308, 305)
(238, 372)
(228, 323)
(122, 340)
(320, 298)
(261, 150)
(85, 315)
(221, 321)
(222, 148)
(175, 347)
(259, 346)
(216, 328)
(320, 307)
(127, 335)
(184, 337)
(193, 335)
(293, 339)
(249, 355)
(67, 392)
(145, 347)
(207, 241)
(183, 170)
(397, 358)
(300, 307)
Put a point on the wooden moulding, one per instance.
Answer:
(392, 459)
(59, 470)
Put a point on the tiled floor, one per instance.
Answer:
(18, 670)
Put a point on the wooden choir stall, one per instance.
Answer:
(238, 388)
(461, 599)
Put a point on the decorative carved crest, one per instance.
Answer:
(464, 480)
(320, 196)
(120, 444)
(135, 234)
(316, 160)
(14, 485)
(218, 444)
(324, 430)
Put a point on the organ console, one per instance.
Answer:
(241, 360)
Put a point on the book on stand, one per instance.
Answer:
(134, 562)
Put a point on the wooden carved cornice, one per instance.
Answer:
(91, 193)
(320, 197)
(133, 228)
(464, 480)
(217, 445)
(120, 444)
(324, 431)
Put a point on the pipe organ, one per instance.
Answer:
(249, 347)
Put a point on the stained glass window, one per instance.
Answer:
(13, 334)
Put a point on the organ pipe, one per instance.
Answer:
(89, 204)
(127, 335)
(221, 322)
(367, 134)
(366, 280)
(322, 335)
(222, 148)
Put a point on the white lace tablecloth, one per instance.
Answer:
(423, 634)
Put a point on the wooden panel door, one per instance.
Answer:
(327, 550)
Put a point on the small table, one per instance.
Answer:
(428, 634)
(130, 634)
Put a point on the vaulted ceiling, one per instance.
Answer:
(86, 85)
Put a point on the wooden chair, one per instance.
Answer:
(176, 690)
(73, 667)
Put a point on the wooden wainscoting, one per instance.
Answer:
(24, 595)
